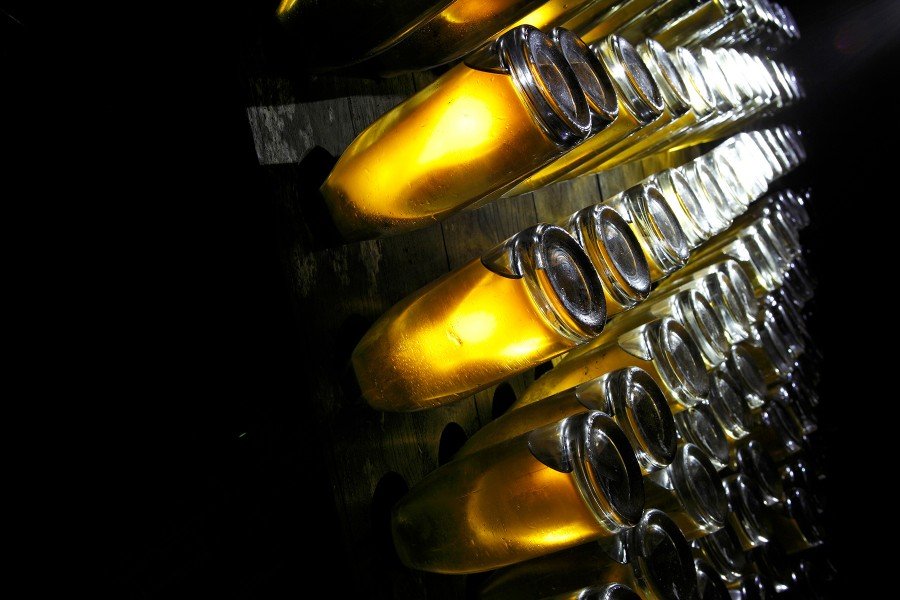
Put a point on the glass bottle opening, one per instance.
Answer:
(756, 464)
(800, 509)
(743, 290)
(699, 487)
(725, 553)
(727, 406)
(777, 419)
(744, 369)
(698, 317)
(703, 101)
(747, 506)
(709, 585)
(717, 198)
(697, 427)
(717, 288)
(772, 561)
(740, 196)
(663, 557)
(641, 95)
(775, 347)
(679, 361)
(594, 81)
(672, 88)
(636, 396)
(726, 97)
(670, 238)
(676, 189)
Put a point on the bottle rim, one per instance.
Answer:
(659, 576)
(702, 98)
(697, 314)
(699, 488)
(637, 400)
(686, 205)
(697, 426)
(592, 76)
(638, 91)
(710, 585)
(678, 361)
(673, 89)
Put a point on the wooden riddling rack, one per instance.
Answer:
(300, 124)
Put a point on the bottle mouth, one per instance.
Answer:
(739, 76)
(696, 426)
(760, 256)
(786, 147)
(704, 182)
(769, 152)
(680, 364)
(759, 169)
(725, 553)
(666, 241)
(727, 406)
(613, 591)
(753, 462)
(773, 344)
(648, 423)
(727, 98)
(748, 168)
(739, 197)
(697, 315)
(800, 508)
(592, 77)
(794, 207)
(607, 472)
(685, 205)
(547, 83)
(672, 87)
(786, 91)
(772, 561)
(747, 507)
(699, 488)
(743, 290)
(792, 139)
(702, 99)
(777, 420)
(662, 558)
(743, 369)
(615, 251)
(717, 287)
(709, 584)
(638, 92)
(772, 92)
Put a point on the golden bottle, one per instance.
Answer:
(697, 426)
(529, 299)
(469, 136)
(653, 558)
(640, 103)
(796, 525)
(689, 491)
(630, 396)
(553, 488)
(614, 19)
(663, 348)
(748, 519)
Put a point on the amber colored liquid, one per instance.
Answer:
(613, 20)
(624, 124)
(464, 332)
(466, 137)
(639, 147)
(491, 509)
(557, 575)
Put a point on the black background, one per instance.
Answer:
(154, 427)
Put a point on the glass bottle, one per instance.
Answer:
(727, 406)
(722, 550)
(697, 426)
(752, 460)
(653, 558)
(773, 429)
(532, 297)
(704, 182)
(796, 525)
(741, 367)
(630, 396)
(640, 102)
(753, 587)
(768, 348)
(553, 488)
(772, 562)
(685, 205)
(469, 136)
(663, 348)
(692, 20)
(689, 491)
(709, 584)
(747, 520)
(612, 591)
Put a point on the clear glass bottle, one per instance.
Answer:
(630, 396)
(775, 432)
(553, 488)
(616, 253)
(640, 102)
(685, 205)
(796, 525)
(709, 584)
(741, 366)
(704, 182)
(532, 297)
(697, 426)
(663, 348)
(722, 550)
(689, 491)
(748, 519)
(693, 20)
(753, 461)
(653, 558)
(727, 406)
(768, 348)
(469, 136)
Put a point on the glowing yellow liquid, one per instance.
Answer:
(466, 137)
(615, 19)
(491, 509)
(464, 332)
(690, 24)
(638, 146)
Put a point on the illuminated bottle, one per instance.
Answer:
(553, 488)
(685, 205)
(752, 460)
(663, 348)
(742, 368)
(640, 102)
(709, 584)
(796, 525)
(723, 552)
(727, 406)
(689, 491)
(630, 396)
(696, 22)
(748, 519)
(532, 297)
(706, 185)
(653, 558)
(469, 136)
(697, 426)
(616, 253)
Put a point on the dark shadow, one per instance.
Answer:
(474, 583)
(452, 439)
(389, 490)
(348, 335)
(542, 368)
(504, 397)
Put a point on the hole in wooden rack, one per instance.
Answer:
(452, 439)
(542, 368)
(389, 490)
(504, 397)
(474, 583)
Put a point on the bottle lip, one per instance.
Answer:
(709, 193)
(752, 461)
(657, 574)
(747, 506)
(743, 290)
(615, 252)
(769, 153)
(685, 205)
(548, 84)
(738, 197)
(702, 98)
(786, 92)
(592, 77)
(792, 138)
(697, 426)
(638, 91)
(772, 342)
(764, 76)
(745, 150)
(606, 471)
(666, 241)
(699, 488)
(699, 317)
(759, 254)
(710, 585)
(772, 561)
(678, 361)
(674, 91)
(743, 369)
(779, 153)
(775, 418)
(612, 591)
(718, 289)
(723, 551)
(739, 80)
(728, 406)
(649, 425)
(786, 147)
(726, 97)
